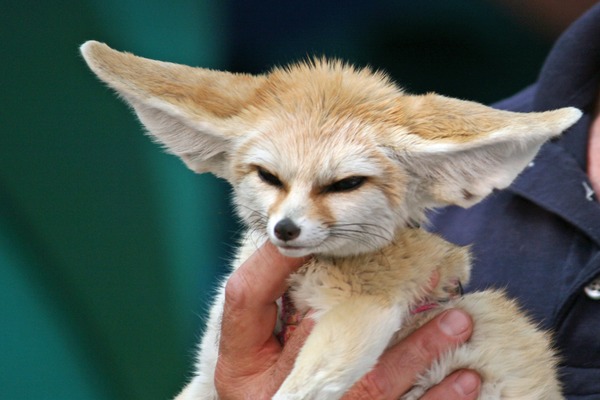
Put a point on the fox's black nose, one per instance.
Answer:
(286, 230)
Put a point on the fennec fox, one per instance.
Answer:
(339, 163)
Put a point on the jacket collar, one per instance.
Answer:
(571, 74)
(556, 180)
(571, 77)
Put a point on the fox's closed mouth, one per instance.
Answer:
(288, 247)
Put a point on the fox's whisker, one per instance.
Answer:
(365, 240)
(358, 232)
(363, 225)
(362, 229)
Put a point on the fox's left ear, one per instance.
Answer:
(459, 151)
(191, 111)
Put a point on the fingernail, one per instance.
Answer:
(466, 383)
(454, 323)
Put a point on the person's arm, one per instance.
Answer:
(252, 364)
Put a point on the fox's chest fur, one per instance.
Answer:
(397, 274)
(340, 163)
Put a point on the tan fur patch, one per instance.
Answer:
(320, 207)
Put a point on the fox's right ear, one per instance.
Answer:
(191, 111)
(457, 152)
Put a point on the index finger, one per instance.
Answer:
(249, 311)
(400, 365)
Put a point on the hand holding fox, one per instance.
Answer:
(254, 365)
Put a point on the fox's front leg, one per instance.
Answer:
(343, 346)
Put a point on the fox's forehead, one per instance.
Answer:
(315, 152)
(328, 88)
(318, 119)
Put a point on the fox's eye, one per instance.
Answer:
(269, 178)
(346, 184)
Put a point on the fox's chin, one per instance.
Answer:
(295, 252)
(303, 251)
(329, 247)
(342, 251)
(296, 249)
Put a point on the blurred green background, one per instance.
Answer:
(108, 247)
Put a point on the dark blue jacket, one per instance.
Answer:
(540, 238)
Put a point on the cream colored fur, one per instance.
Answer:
(353, 162)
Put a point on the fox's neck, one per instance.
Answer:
(417, 257)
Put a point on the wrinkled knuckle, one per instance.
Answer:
(221, 379)
(370, 387)
(225, 374)
(427, 348)
(236, 292)
(416, 358)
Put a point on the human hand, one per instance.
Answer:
(400, 365)
(252, 364)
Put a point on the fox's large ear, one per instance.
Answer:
(459, 151)
(189, 110)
